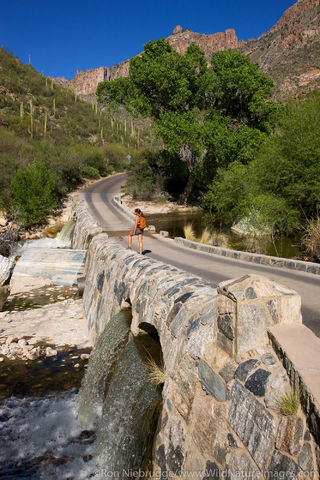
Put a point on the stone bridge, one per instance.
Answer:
(225, 371)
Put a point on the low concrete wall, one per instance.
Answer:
(223, 381)
(289, 263)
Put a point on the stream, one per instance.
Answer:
(174, 223)
(64, 418)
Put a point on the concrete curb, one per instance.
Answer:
(260, 259)
(117, 201)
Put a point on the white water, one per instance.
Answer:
(41, 439)
(62, 240)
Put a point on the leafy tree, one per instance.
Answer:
(224, 197)
(205, 116)
(34, 194)
(234, 86)
(282, 183)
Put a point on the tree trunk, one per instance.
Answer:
(188, 189)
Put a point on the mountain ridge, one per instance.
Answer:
(289, 52)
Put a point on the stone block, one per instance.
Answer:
(240, 466)
(228, 371)
(212, 383)
(290, 434)
(306, 458)
(225, 305)
(245, 368)
(182, 390)
(225, 344)
(208, 424)
(253, 424)
(212, 471)
(282, 466)
(257, 383)
(225, 325)
(260, 303)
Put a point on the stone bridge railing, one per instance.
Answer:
(223, 381)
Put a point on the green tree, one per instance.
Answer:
(33, 190)
(234, 86)
(282, 184)
(202, 114)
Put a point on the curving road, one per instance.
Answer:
(212, 268)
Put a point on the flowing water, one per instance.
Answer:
(40, 437)
(50, 430)
(62, 240)
(118, 397)
(129, 415)
(103, 358)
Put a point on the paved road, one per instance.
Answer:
(210, 267)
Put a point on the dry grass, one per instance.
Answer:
(289, 403)
(189, 232)
(205, 237)
(53, 230)
(155, 372)
(311, 239)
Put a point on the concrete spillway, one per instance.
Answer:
(47, 266)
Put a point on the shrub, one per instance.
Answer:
(140, 183)
(115, 156)
(34, 194)
(90, 172)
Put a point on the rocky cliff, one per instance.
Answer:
(289, 52)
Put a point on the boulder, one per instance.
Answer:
(6, 267)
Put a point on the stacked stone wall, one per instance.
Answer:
(223, 384)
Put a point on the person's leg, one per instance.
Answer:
(140, 244)
(129, 240)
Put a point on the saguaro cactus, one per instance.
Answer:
(21, 110)
(45, 125)
(54, 106)
(31, 118)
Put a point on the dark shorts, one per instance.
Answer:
(138, 232)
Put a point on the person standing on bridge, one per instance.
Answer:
(139, 226)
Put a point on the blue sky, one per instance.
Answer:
(65, 35)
